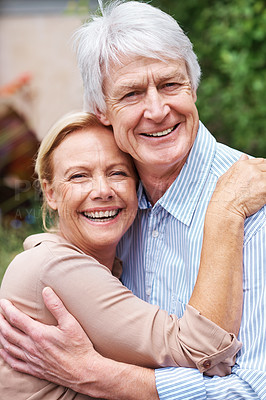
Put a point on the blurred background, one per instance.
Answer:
(39, 82)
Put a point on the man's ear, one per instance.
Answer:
(49, 193)
(194, 96)
(102, 117)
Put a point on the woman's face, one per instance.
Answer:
(93, 189)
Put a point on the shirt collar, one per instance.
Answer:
(181, 198)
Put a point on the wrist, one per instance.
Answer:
(225, 211)
(229, 201)
(105, 378)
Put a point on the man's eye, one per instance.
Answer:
(171, 85)
(130, 94)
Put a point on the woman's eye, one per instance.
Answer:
(77, 176)
(119, 173)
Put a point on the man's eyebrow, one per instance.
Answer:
(130, 85)
(174, 75)
(125, 86)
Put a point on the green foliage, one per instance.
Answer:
(229, 39)
(13, 231)
(77, 7)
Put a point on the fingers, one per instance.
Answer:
(10, 333)
(20, 330)
(259, 161)
(243, 157)
(56, 306)
(16, 318)
(21, 366)
(13, 362)
(11, 349)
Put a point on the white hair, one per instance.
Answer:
(133, 29)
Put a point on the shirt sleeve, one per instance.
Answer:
(248, 377)
(127, 329)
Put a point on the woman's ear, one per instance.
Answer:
(49, 193)
(102, 118)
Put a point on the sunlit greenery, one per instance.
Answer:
(229, 39)
(14, 231)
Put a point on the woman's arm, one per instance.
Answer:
(218, 290)
(239, 193)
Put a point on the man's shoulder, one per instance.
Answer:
(224, 158)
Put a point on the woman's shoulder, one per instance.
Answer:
(52, 244)
(41, 252)
(49, 239)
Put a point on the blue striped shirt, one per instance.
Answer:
(161, 254)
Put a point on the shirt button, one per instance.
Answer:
(155, 234)
(148, 292)
(207, 364)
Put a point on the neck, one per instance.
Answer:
(157, 182)
(104, 256)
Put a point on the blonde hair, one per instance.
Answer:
(44, 165)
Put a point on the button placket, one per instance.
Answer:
(155, 233)
(152, 249)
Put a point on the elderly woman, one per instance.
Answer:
(89, 188)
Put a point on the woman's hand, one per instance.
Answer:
(242, 189)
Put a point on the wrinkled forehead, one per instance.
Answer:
(129, 70)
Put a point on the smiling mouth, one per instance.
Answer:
(101, 216)
(162, 133)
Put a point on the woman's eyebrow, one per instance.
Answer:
(76, 166)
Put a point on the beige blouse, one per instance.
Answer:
(139, 333)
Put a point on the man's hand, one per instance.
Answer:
(63, 354)
(60, 354)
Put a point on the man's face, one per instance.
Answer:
(151, 106)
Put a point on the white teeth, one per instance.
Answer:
(101, 214)
(163, 133)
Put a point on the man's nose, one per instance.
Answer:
(101, 189)
(156, 108)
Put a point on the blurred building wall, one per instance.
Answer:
(40, 45)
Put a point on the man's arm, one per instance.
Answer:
(88, 372)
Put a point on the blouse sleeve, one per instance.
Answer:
(127, 329)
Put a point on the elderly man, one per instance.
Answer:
(140, 76)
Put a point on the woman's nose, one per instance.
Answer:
(101, 189)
